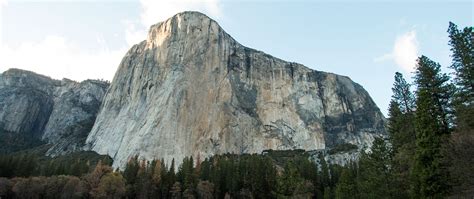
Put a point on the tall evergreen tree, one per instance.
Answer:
(402, 134)
(432, 126)
(402, 105)
(463, 65)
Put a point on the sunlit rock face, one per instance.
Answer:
(61, 113)
(190, 89)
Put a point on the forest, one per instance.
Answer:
(428, 153)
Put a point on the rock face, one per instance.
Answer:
(60, 113)
(190, 89)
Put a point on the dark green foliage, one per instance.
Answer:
(232, 175)
(347, 185)
(402, 94)
(401, 116)
(432, 126)
(186, 174)
(290, 180)
(463, 65)
(34, 163)
(376, 178)
(344, 147)
(401, 129)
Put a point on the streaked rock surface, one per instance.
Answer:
(190, 89)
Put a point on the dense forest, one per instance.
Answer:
(429, 153)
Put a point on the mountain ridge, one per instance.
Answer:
(58, 112)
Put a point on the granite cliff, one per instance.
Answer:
(61, 113)
(190, 89)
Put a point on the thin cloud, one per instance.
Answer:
(388, 56)
(404, 53)
(59, 58)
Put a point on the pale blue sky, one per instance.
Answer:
(365, 40)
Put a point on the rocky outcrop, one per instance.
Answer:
(190, 89)
(60, 113)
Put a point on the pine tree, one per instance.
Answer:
(401, 129)
(347, 185)
(402, 94)
(432, 126)
(375, 172)
(289, 180)
(463, 65)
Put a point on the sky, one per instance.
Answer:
(366, 40)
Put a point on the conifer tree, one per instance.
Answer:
(432, 126)
(375, 172)
(402, 94)
(401, 129)
(463, 65)
(346, 187)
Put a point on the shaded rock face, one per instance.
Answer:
(190, 89)
(60, 113)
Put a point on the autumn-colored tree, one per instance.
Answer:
(205, 190)
(31, 188)
(74, 188)
(54, 186)
(112, 185)
(92, 180)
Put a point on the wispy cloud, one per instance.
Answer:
(59, 57)
(404, 53)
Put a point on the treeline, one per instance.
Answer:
(277, 174)
(235, 176)
(34, 163)
(274, 174)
